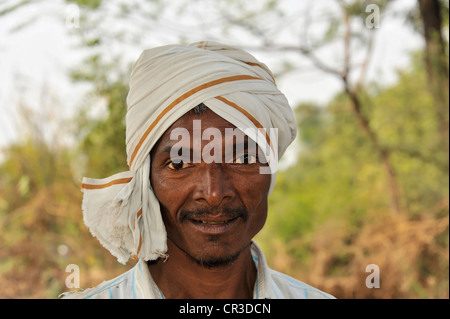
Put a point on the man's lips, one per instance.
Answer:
(213, 226)
(213, 216)
(212, 221)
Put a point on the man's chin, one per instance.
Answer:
(215, 255)
(215, 261)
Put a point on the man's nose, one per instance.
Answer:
(213, 186)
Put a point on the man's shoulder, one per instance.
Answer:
(110, 289)
(287, 287)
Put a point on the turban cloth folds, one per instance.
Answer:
(122, 211)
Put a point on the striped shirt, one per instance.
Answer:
(137, 283)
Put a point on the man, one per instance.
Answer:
(205, 128)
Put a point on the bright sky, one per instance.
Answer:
(35, 59)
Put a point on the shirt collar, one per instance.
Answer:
(145, 286)
(263, 285)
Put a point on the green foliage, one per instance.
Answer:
(405, 119)
(30, 167)
(40, 212)
(445, 12)
(338, 173)
(339, 183)
(103, 139)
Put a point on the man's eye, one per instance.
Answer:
(246, 159)
(177, 164)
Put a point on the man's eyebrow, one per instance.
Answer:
(169, 149)
(244, 145)
(166, 149)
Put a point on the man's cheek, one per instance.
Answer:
(252, 189)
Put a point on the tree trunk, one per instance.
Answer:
(384, 154)
(436, 62)
(352, 93)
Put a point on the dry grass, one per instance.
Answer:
(412, 256)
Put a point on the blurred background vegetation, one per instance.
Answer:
(369, 183)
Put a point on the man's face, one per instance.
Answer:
(211, 209)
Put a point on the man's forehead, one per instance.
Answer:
(195, 123)
(195, 130)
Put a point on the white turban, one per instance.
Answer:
(122, 210)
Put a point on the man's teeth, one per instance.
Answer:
(213, 223)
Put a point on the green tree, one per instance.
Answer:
(434, 13)
(323, 206)
(102, 140)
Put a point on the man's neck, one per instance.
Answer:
(181, 277)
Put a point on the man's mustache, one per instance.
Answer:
(229, 213)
